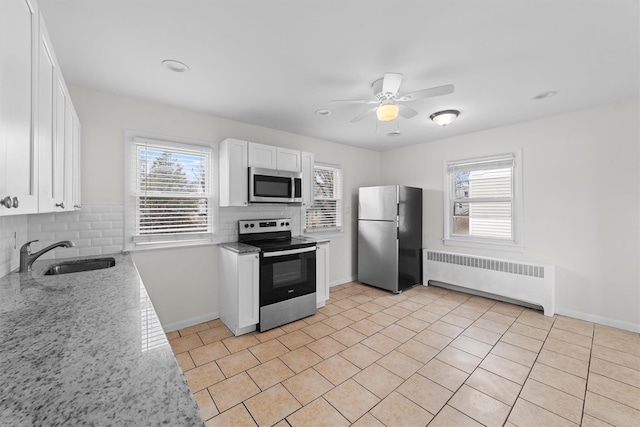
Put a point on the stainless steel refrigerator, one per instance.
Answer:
(390, 236)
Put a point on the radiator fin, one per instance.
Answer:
(488, 264)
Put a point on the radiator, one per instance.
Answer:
(528, 283)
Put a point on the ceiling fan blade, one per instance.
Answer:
(426, 93)
(406, 111)
(391, 83)
(355, 101)
(363, 115)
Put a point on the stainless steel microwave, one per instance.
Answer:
(273, 186)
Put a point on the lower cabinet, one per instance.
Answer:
(239, 291)
(322, 274)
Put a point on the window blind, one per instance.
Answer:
(326, 212)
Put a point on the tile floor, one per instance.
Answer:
(426, 356)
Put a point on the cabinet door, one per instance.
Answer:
(322, 274)
(233, 173)
(248, 291)
(308, 177)
(262, 156)
(18, 88)
(76, 135)
(288, 160)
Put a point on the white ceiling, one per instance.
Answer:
(273, 63)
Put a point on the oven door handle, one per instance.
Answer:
(289, 252)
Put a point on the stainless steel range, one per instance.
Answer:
(287, 271)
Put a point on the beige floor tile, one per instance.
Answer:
(371, 307)
(338, 322)
(398, 333)
(494, 385)
(526, 414)
(471, 346)
(300, 359)
(235, 344)
(326, 347)
(444, 374)
(361, 298)
(537, 320)
(400, 364)
(232, 391)
(589, 421)
(193, 329)
(433, 339)
(515, 354)
(459, 359)
(426, 315)
(522, 341)
(610, 411)
(426, 393)
(467, 312)
(237, 416)
(318, 413)
(318, 330)
(614, 390)
(318, 317)
(185, 361)
(330, 310)
(616, 356)
(307, 386)
(445, 329)
(366, 327)
(479, 406)
(449, 303)
(450, 417)
(351, 399)
(418, 351)
(215, 323)
(337, 369)
(570, 337)
(294, 326)
(295, 339)
(505, 368)
(269, 335)
(561, 380)
(412, 323)
(459, 321)
(528, 331)
(346, 304)
(568, 364)
(182, 344)
(383, 319)
(438, 308)
(397, 410)
(272, 405)
(348, 336)
(237, 362)
(367, 420)
(490, 325)
(203, 376)
(268, 350)
(208, 353)
(507, 309)
(381, 343)
(205, 403)
(410, 305)
(614, 371)
(499, 318)
(551, 399)
(378, 380)
(568, 349)
(215, 334)
(574, 325)
(611, 341)
(602, 331)
(397, 311)
(270, 373)
(483, 335)
(173, 335)
(360, 355)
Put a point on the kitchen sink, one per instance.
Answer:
(80, 265)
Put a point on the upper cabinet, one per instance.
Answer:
(18, 100)
(271, 157)
(308, 177)
(234, 176)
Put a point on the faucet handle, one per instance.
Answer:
(27, 246)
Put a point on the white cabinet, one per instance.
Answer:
(234, 174)
(18, 91)
(322, 273)
(239, 292)
(308, 177)
(271, 157)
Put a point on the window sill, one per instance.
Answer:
(324, 234)
(498, 246)
(170, 245)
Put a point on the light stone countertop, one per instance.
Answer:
(87, 349)
(240, 248)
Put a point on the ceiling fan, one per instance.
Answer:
(389, 102)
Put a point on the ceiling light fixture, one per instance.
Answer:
(175, 66)
(323, 112)
(387, 112)
(445, 117)
(545, 95)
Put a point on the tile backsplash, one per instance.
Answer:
(13, 230)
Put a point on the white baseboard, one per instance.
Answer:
(343, 280)
(174, 326)
(607, 321)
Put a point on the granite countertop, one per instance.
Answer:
(87, 349)
(241, 248)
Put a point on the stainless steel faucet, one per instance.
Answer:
(27, 258)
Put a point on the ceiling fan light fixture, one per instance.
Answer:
(387, 112)
(445, 117)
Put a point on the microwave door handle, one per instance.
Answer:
(289, 252)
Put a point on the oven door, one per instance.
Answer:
(287, 274)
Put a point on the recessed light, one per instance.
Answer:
(323, 112)
(175, 66)
(545, 95)
(394, 133)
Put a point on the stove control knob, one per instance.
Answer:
(282, 224)
(287, 224)
(253, 225)
(246, 226)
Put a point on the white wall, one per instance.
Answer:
(581, 202)
(182, 283)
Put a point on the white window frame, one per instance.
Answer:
(340, 205)
(134, 242)
(516, 243)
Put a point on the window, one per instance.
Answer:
(326, 212)
(482, 206)
(170, 198)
